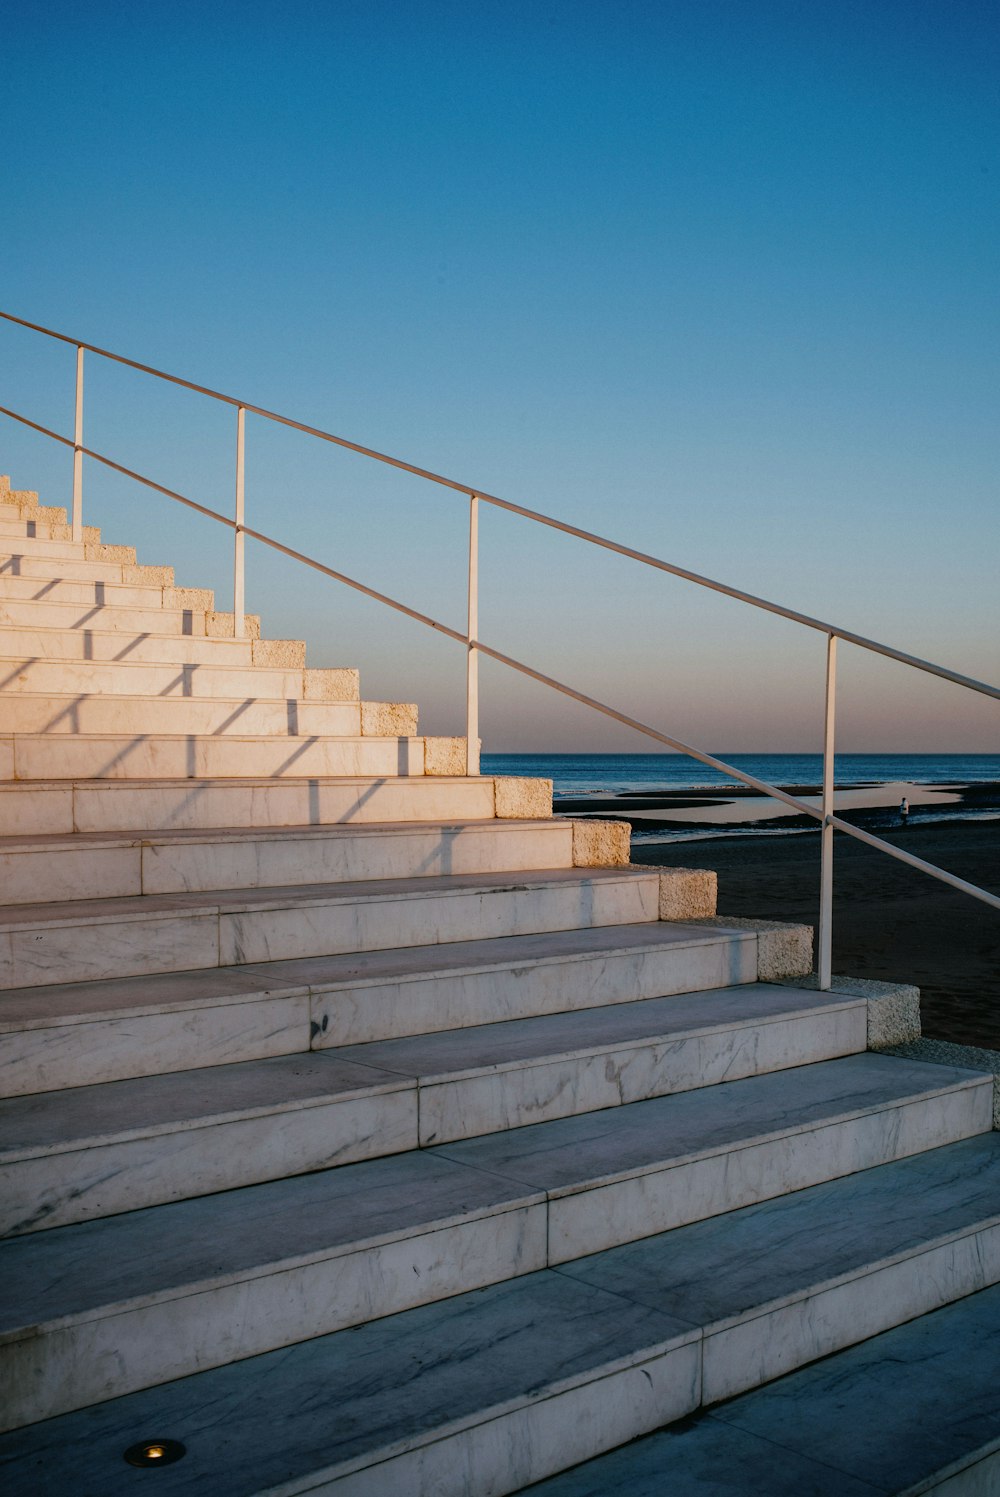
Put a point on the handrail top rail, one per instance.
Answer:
(739, 594)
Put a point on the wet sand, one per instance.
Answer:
(890, 922)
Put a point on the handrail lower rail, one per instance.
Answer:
(475, 647)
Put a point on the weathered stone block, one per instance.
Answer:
(148, 576)
(444, 756)
(201, 599)
(217, 625)
(687, 893)
(332, 684)
(518, 799)
(124, 554)
(279, 654)
(601, 844)
(389, 720)
(784, 949)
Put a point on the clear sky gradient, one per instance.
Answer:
(716, 278)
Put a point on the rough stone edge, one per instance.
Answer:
(687, 893)
(601, 844)
(389, 720)
(944, 1053)
(784, 948)
(333, 683)
(516, 799)
(444, 757)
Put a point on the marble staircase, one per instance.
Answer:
(368, 1130)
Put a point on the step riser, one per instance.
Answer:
(68, 872)
(591, 1221)
(113, 757)
(183, 941)
(39, 544)
(450, 1000)
(87, 1363)
(30, 565)
(38, 1194)
(101, 1180)
(249, 1027)
(44, 592)
(117, 805)
(16, 526)
(90, 1360)
(46, 1060)
(82, 615)
(106, 715)
(755, 1352)
(55, 679)
(453, 1110)
(145, 647)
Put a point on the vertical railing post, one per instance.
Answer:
(78, 451)
(238, 538)
(825, 954)
(472, 655)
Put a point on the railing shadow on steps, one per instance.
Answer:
(474, 647)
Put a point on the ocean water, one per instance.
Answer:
(580, 775)
(611, 774)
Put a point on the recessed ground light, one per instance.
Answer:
(155, 1453)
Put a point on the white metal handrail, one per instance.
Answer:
(474, 646)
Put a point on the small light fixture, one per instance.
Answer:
(155, 1453)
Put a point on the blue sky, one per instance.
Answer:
(718, 279)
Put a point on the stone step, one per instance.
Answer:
(98, 644)
(100, 865)
(126, 756)
(23, 607)
(491, 1077)
(912, 1412)
(88, 805)
(20, 524)
(107, 714)
(91, 940)
(29, 565)
(30, 539)
(23, 504)
(117, 714)
(80, 1034)
(45, 588)
(97, 1310)
(73, 679)
(93, 1151)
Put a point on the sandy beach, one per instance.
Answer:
(890, 922)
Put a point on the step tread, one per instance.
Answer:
(911, 1401)
(575, 1153)
(118, 1111)
(83, 1002)
(71, 841)
(74, 1270)
(896, 1415)
(718, 1272)
(81, 1117)
(143, 907)
(514, 1043)
(341, 1398)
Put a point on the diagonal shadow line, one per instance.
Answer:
(132, 645)
(233, 716)
(70, 711)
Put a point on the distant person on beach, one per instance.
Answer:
(904, 811)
